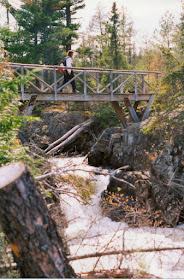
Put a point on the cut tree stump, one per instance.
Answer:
(28, 227)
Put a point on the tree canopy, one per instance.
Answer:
(45, 30)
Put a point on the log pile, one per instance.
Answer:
(68, 138)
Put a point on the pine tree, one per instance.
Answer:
(71, 7)
(43, 35)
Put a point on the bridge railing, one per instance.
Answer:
(104, 83)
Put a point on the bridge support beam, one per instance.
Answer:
(119, 112)
(147, 111)
(131, 110)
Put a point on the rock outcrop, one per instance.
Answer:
(155, 170)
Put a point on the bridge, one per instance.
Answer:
(127, 87)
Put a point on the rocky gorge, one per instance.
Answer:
(148, 190)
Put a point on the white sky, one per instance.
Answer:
(145, 14)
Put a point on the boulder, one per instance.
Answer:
(119, 147)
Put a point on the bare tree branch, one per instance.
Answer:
(101, 254)
(97, 172)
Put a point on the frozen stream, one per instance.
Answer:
(89, 232)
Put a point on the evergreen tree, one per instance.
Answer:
(42, 35)
(114, 39)
(71, 7)
(112, 47)
(127, 34)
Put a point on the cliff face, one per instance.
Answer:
(156, 169)
(119, 147)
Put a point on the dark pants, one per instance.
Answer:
(68, 77)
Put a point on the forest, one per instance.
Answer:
(44, 32)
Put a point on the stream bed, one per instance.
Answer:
(89, 232)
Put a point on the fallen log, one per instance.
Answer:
(65, 136)
(28, 227)
(71, 138)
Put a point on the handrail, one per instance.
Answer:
(92, 69)
(93, 83)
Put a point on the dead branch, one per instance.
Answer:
(95, 171)
(133, 251)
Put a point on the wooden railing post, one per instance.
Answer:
(97, 82)
(22, 85)
(143, 84)
(121, 89)
(85, 86)
(158, 85)
(136, 87)
(55, 84)
(111, 86)
(42, 87)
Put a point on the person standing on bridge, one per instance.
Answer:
(68, 73)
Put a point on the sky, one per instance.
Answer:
(145, 14)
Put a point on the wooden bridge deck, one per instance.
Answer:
(93, 84)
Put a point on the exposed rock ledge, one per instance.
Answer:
(156, 170)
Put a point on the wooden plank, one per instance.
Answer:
(22, 85)
(131, 110)
(147, 111)
(92, 69)
(85, 87)
(111, 85)
(90, 97)
(55, 84)
(120, 113)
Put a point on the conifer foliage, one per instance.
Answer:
(45, 30)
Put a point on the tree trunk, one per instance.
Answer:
(65, 136)
(71, 138)
(28, 227)
(68, 23)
